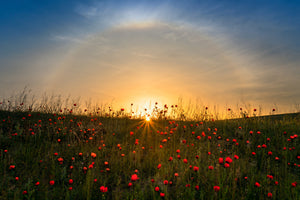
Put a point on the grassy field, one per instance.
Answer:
(67, 156)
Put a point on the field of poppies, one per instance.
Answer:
(66, 156)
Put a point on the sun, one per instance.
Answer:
(148, 119)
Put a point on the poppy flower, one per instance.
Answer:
(12, 167)
(162, 194)
(221, 160)
(196, 168)
(51, 182)
(158, 166)
(270, 195)
(156, 189)
(228, 160)
(134, 177)
(103, 189)
(93, 155)
(217, 188)
(257, 184)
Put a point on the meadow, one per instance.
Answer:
(64, 155)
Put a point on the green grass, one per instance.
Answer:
(31, 143)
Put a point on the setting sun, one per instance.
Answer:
(148, 119)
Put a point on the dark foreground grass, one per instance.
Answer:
(46, 156)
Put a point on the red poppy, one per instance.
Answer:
(270, 195)
(221, 160)
(134, 177)
(103, 189)
(51, 182)
(216, 188)
(196, 168)
(228, 160)
(257, 184)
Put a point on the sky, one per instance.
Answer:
(212, 53)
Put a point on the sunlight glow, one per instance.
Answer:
(148, 119)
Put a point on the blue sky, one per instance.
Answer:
(123, 51)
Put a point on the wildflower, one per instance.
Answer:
(221, 160)
(12, 167)
(257, 184)
(51, 182)
(93, 155)
(270, 195)
(134, 177)
(228, 160)
(185, 161)
(196, 168)
(60, 160)
(158, 166)
(216, 188)
(162, 194)
(103, 189)
(71, 181)
(166, 182)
